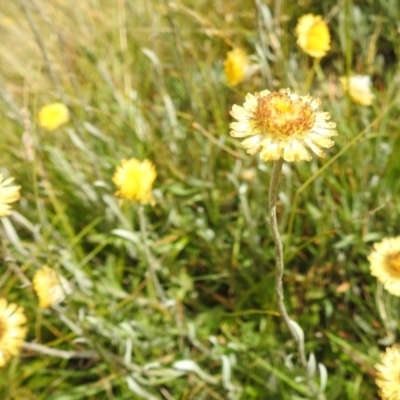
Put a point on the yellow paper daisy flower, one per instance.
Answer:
(8, 194)
(134, 180)
(236, 66)
(50, 287)
(12, 333)
(388, 374)
(281, 125)
(313, 35)
(385, 264)
(359, 88)
(53, 116)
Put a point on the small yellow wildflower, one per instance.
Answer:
(385, 264)
(359, 89)
(8, 194)
(236, 66)
(281, 125)
(388, 374)
(50, 287)
(134, 180)
(53, 116)
(12, 333)
(313, 35)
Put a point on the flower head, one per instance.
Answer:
(388, 374)
(359, 88)
(50, 287)
(236, 66)
(53, 116)
(281, 125)
(12, 333)
(134, 180)
(8, 194)
(313, 35)
(385, 264)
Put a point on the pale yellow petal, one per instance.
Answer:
(385, 264)
(50, 287)
(12, 331)
(359, 89)
(388, 374)
(313, 35)
(236, 66)
(53, 115)
(296, 152)
(134, 180)
(282, 124)
(8, 194)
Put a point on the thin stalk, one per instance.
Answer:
(280, 268)
(151, 261)
(153, 266)
(310, 75)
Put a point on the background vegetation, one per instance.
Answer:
(144, 79)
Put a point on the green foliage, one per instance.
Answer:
(145, 79)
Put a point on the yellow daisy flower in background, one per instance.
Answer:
(236, 66)
(8, 194)
(281, 125)
(359, 88)
(50, 287)
(388, 374)
(385, 264)
(134, 180)
(53, 116)
(12, 333)
(313, 35)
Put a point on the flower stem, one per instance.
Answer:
(273, 195)
(311, 75)
(151, 261)
(280, 268)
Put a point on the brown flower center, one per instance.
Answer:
(279, 115)
(393, 264)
